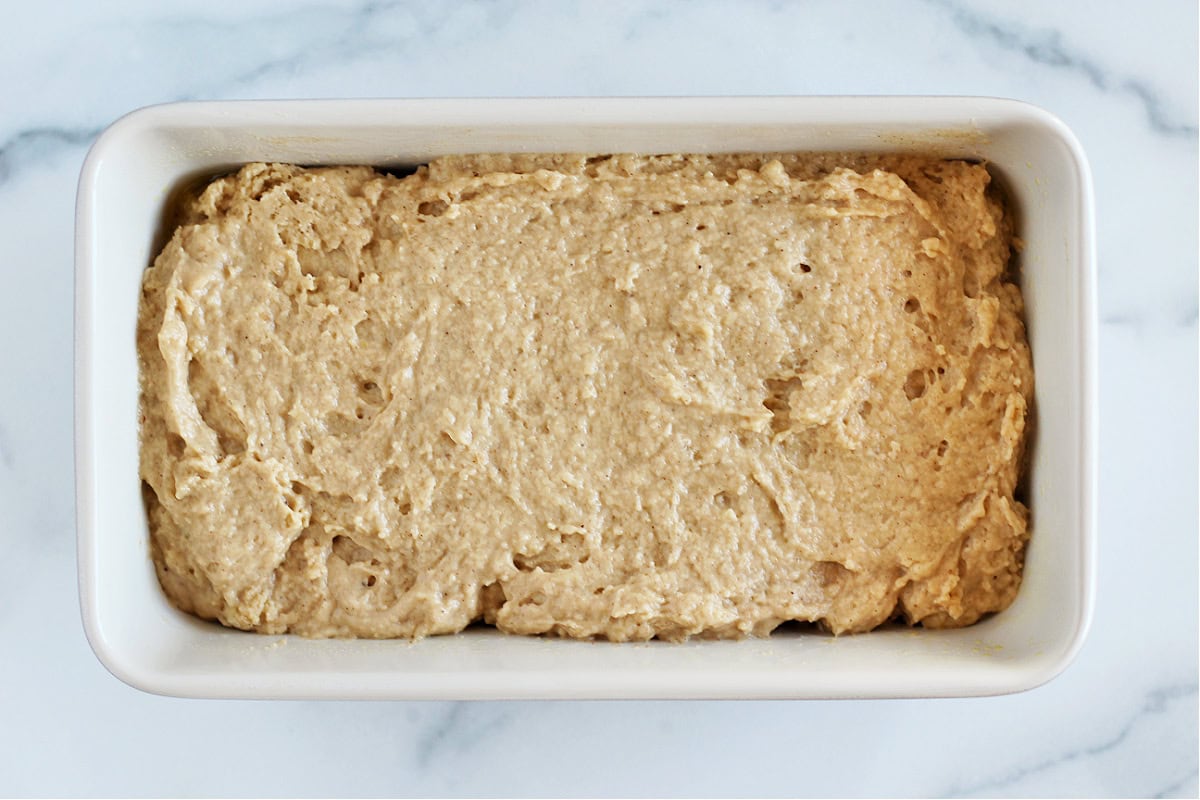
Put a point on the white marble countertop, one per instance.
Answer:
(1121, 721)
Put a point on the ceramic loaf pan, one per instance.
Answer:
(128, 180)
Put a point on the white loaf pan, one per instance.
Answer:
(129, 176)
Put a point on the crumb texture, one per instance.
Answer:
(621, 396)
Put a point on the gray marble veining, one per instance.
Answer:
(1049, 48)
(33, 144)
(1121, 721)
(1156, 702)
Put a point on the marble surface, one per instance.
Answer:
(1121, 721)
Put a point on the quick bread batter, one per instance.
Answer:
(621, 397)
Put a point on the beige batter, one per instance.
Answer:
(622, 397)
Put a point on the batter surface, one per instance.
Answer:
(622, 397)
